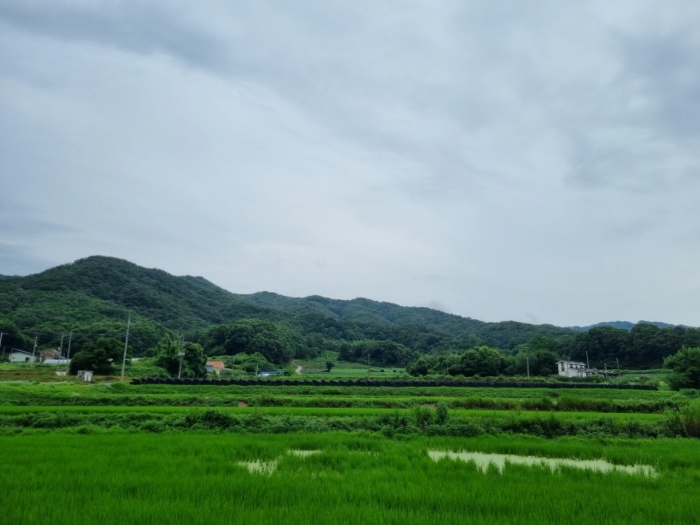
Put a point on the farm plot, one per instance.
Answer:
(207, 479)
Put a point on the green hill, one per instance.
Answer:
(95, 295)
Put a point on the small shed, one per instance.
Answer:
(21, 356)
(85, 375)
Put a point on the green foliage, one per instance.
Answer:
(441, 413)
(99, 356)
(433, 364)
(277, 343)
(645, 345)
(97, 294)
(12, 335)
(685, 368)
(191, 364)
(380, 353)
(249, 363)
(95, 360)
(482, 360)
(330, 365)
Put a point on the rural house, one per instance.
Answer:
(215, 367)
(572, 369)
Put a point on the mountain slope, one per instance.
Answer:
(365, 311)
(182, 303)
(97, 294)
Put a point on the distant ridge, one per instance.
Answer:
(624, 325)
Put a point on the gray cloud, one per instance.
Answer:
(535, 162)
(129, 25)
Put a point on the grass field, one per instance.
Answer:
(113, 452)
(202, 479)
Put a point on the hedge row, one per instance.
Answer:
(376, 383)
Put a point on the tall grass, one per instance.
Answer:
(196, 479)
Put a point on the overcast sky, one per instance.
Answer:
(528, 160)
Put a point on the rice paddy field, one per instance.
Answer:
(146, 454)
(343, 479)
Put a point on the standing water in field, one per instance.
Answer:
(483, 461)
(268, 467)
(303, 453)
(260, 467)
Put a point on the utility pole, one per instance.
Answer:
(606, 371)
(126, 345)
(34, 351)
(3, 349)
(527, 361)
(60, 353)
(181, 353)
(70, 338)
(618, 364)
(588, 365)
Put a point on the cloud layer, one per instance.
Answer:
(537, 162)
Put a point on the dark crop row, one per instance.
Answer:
(377, 383)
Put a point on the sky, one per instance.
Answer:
(535, 161)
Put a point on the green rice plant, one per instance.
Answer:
(355, 478)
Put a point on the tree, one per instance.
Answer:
(194, 360)
(249, 362)
(421, 366)
(685, 368)
(249, 336)
(99, 356)
(482, 360)
(329, 365)
(95, 360)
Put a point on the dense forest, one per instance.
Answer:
(93, 297)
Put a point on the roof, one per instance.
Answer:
(216, 364)
(16, 351)
(571, 362)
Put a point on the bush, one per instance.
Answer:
(685, 368)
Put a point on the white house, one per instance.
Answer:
(20, 356)
(572, 369)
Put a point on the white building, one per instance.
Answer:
(572, 369)
(20, 356)
(56, 362)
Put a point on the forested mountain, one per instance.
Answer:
(365, 311)
(93, 298)
(95, 295)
